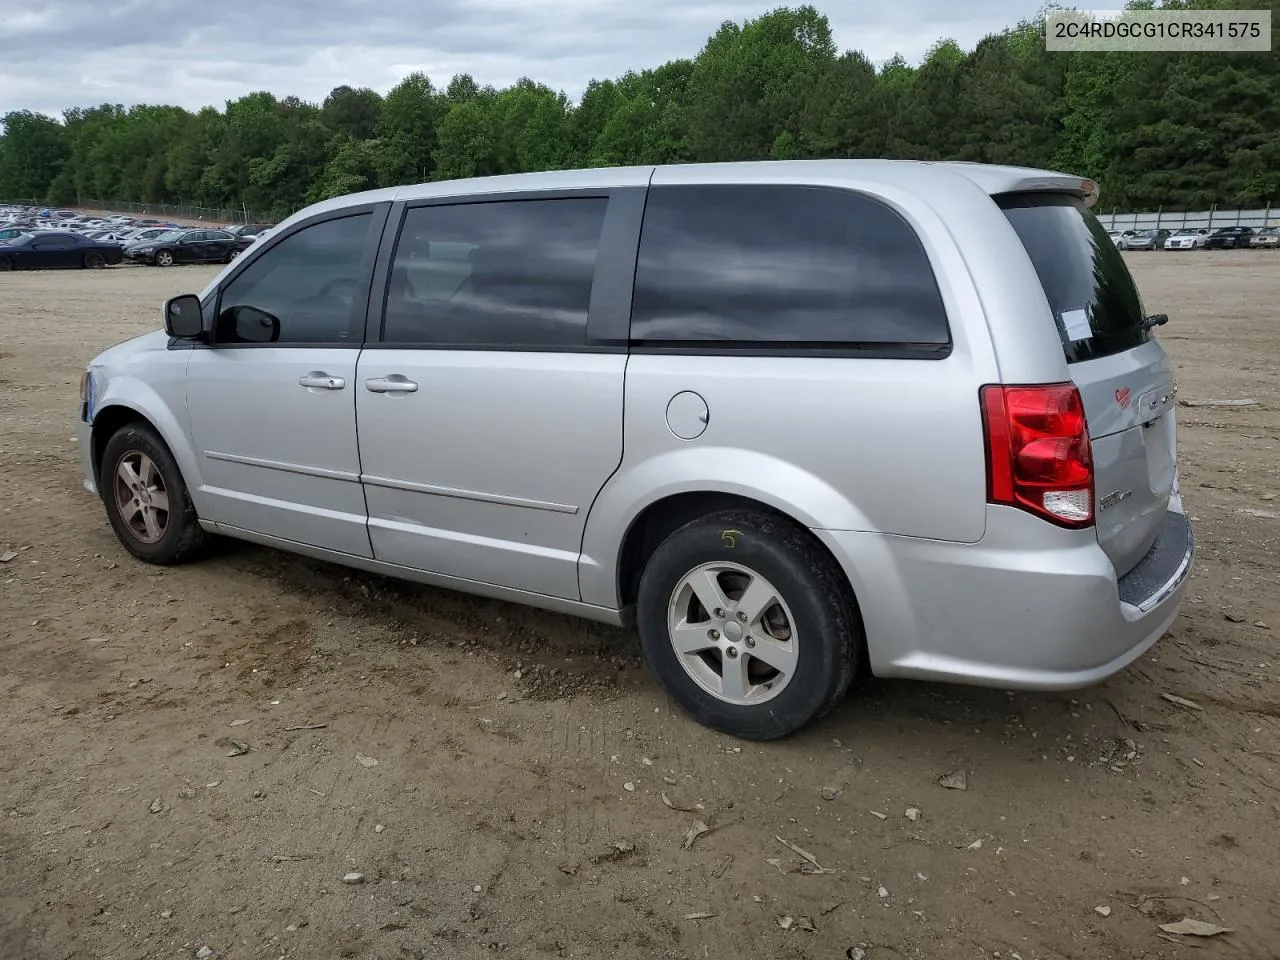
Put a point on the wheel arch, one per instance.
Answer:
(116, 412)
(689, 479)
(663, 517)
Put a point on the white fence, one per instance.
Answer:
(1267, 217)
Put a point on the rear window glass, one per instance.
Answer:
(1093, 298)
(782, 265)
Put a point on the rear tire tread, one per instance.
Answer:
(821, 598)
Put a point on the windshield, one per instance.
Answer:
(1094, 301)
(169, 236)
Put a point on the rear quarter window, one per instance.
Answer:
(783, 266)
(1094, 300)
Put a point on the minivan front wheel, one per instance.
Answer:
(748, 624)
(146, 499)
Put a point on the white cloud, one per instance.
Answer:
(193, 54)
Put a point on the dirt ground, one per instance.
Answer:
(533, 789)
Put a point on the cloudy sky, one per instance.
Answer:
(59, 53)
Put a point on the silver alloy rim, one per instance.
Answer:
(164, 258)
(733, 633)
(141, 497)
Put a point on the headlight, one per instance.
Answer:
(145, 250)
(84, 386)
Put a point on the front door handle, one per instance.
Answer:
(392, 384)
(319, 380)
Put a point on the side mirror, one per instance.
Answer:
(183, 317)
(251, 325)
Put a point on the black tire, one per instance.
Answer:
(183, 537)
(828, 629)
(6, 263)
(232, 254)
(94, 261)
(163, 258)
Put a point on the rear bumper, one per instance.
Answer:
(1028, 607)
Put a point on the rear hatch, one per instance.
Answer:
(1122, 372)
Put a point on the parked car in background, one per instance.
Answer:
(557, 416)
(251, 230)
(1189, 239)
(188, 246)
(50, 249)
(108, 236)
(8, 233)
(146, 233)
(1144, 240)
(1229, 238)
(1268, 237)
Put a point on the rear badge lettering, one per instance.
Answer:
(1111, 499)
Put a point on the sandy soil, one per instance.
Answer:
(517, 803)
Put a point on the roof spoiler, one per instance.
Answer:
(1081, 187)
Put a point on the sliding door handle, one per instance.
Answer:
(392, 384)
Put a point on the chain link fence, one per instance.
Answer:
(1212, 219)
(181, 211)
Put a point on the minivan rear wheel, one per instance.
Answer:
(748, 624)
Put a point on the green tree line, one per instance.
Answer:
(1178, 130)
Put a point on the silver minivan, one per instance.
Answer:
(796, 421)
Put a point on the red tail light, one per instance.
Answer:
(1038, 453)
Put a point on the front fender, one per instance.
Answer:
(801, 495)
(166, 415)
